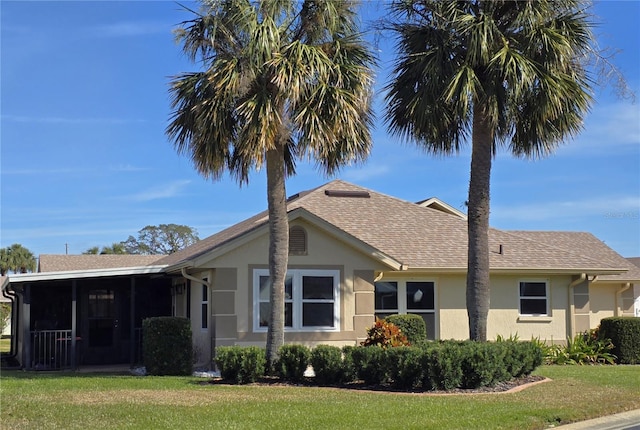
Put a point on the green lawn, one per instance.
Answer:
(5, 345)
(31, 400)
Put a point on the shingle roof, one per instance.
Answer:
(421, 237)
(64, 263)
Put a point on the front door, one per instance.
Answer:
(101, 336)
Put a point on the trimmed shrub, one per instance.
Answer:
(411, 325)
(292, 362)
(624, 333)
(327, 364)
(443, 365)
(167, 346)
(349, 372)
(482, 364)
(241, 364)
(405, 366)
(385, 334)
(370, 364)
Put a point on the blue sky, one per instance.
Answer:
(85, 161)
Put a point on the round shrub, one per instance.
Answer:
(327, 364)
(405, 366)
(241, 364)
(370, 364)
(292, 362)
(411, 325)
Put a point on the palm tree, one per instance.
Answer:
(282, 81)
(17, 259)
(508, 74)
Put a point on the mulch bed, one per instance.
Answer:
(513, 385)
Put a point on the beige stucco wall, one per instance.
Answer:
(324, 252)
(504, 318)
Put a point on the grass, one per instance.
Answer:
(5, 345)
(31, 400)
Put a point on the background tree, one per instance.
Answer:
(115, 248)
(4, 261)
(281, 80)
(5, 314)
(161, 239)
(17, 259)
(505, 73)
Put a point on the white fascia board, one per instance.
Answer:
(78, 274)
(514, 271)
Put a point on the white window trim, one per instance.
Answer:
(547, 297)
(402, 298)
(296, 291)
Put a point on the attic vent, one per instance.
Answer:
(347, 193)
(297, 241)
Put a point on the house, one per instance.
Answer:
(354, 254)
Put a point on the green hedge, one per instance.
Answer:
(624, 333)
(328, 365)
(442, 365)
(412, 325)
(241, 364)
(167, 346)
(293, 361)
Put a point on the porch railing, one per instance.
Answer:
(51, 349)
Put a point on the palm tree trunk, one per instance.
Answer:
(478, 225)
(278, 250)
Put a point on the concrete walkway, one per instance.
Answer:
(629, 420)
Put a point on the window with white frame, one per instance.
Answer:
(311, 300)
(205, 305)
(534, 298)
(407, 297)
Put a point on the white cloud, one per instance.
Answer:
(358, 174)
(606, 207)
(130, 29)
(160, 192)
(608, 126)
(57, 120)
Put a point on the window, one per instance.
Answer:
(533, 298)
(407, 297)
(311, 300)
(205, 305)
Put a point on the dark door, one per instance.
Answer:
(102, 333)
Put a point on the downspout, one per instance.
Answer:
(622, 289)
(572, 306)
(185, 275)
(15, 311)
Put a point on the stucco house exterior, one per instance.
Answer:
(354, 254)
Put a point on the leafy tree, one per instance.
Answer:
(17, 259)
(160, 239)
(4, 261)
(281, 81)
(5, 312)
(115, 248)
(505, 73)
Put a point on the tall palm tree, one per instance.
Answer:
(505, 73)
(18, 259)
(282, 80)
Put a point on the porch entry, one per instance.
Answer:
(103, 335)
